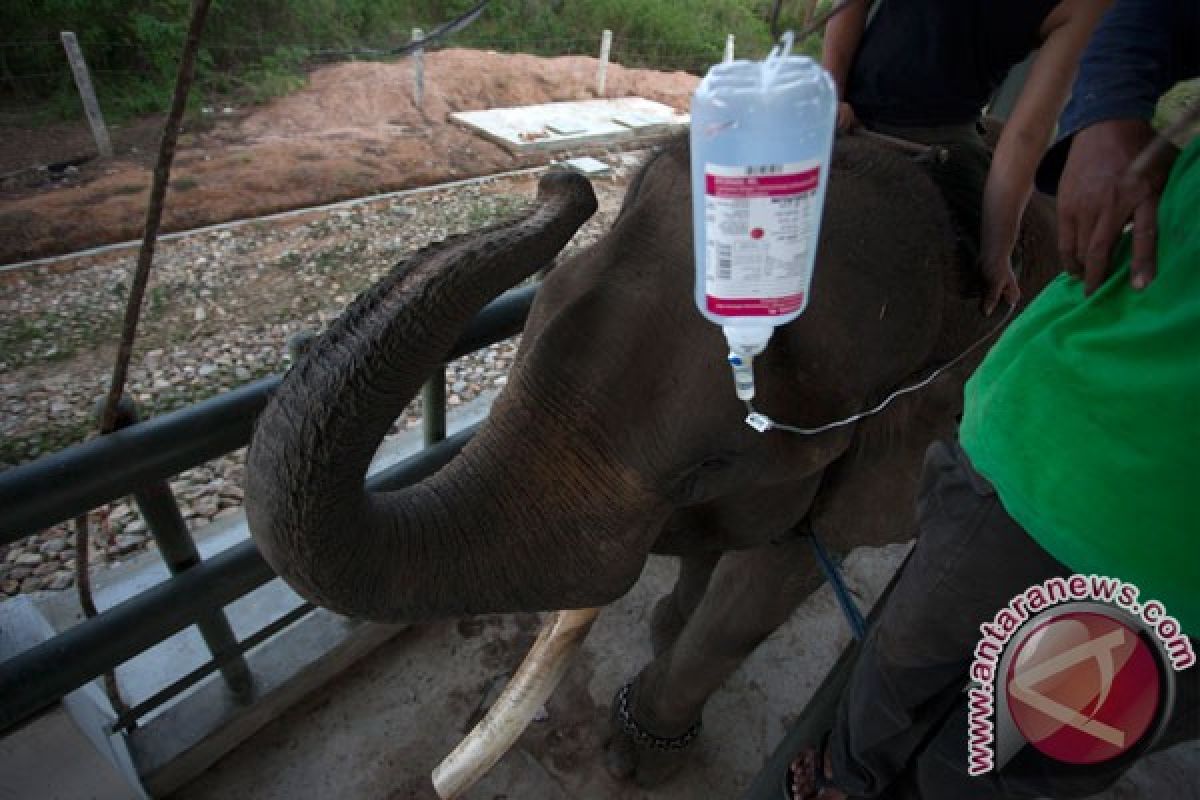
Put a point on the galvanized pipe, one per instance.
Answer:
(43, 674)
(160, 510)
(433, 407)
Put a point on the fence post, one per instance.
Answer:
(83, 82)
(433, 407)
(166, 524)
(418, 69)
(729, 48)
(602, 70)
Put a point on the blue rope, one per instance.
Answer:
(858, 625)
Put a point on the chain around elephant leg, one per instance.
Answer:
(638, 752)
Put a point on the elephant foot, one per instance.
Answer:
(666, 623)
(635, 753)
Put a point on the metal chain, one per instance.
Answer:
(642, 736)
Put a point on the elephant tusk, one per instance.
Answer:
(512, 712)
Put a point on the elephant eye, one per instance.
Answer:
(714, 463)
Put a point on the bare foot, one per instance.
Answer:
(806, 784)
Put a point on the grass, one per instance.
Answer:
(497, 208)
(51, 336)
(55, 436)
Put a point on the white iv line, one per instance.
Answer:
(762, 423)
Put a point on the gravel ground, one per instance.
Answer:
(219, 310)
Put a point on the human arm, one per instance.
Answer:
(1140, 50)
(1024, 140)
(842, 36)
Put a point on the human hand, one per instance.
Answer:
(1098, 195)
(1001, 283)
(847, 120)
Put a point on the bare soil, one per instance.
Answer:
(353, 131)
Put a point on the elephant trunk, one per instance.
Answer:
(458, 542)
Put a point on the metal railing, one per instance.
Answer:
(62, 485)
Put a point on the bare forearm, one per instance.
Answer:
(842, 35)
(1029, 130)
(1005, 195)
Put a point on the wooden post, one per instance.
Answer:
(83, 82)
(729, 48)
(602, 70)
(418, 69)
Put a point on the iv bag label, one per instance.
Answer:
(759, 226)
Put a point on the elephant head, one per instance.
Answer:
(619, 432)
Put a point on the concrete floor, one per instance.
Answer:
(379, 730)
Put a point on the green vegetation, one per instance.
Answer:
(253, 51)
(1173, 105)
(51, 336)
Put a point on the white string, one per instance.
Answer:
(762, 423)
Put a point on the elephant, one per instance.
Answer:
(619, 433)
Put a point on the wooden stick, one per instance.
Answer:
(158, 191)
(602, 70)
(418, 69)
(83, 82)
(1165, 139)
(936, 152)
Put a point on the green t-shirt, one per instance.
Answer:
(1085, 415)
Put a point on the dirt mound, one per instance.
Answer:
(353, 131)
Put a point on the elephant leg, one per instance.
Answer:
(674, 609)
(749, 594)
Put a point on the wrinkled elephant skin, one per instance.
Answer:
(619, 433)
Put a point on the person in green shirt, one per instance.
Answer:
(1078, 452)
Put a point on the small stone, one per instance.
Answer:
(136, 528)
(10, 587)
(127, 543)
(53, 546)
(206, 370)
(60, 580)
(29, 559)
(45, 569)
(205, 506)
(200, 314)
(231, 491)
(31, 584)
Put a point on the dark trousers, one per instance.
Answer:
(901, 729)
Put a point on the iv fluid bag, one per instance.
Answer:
(761, 136)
